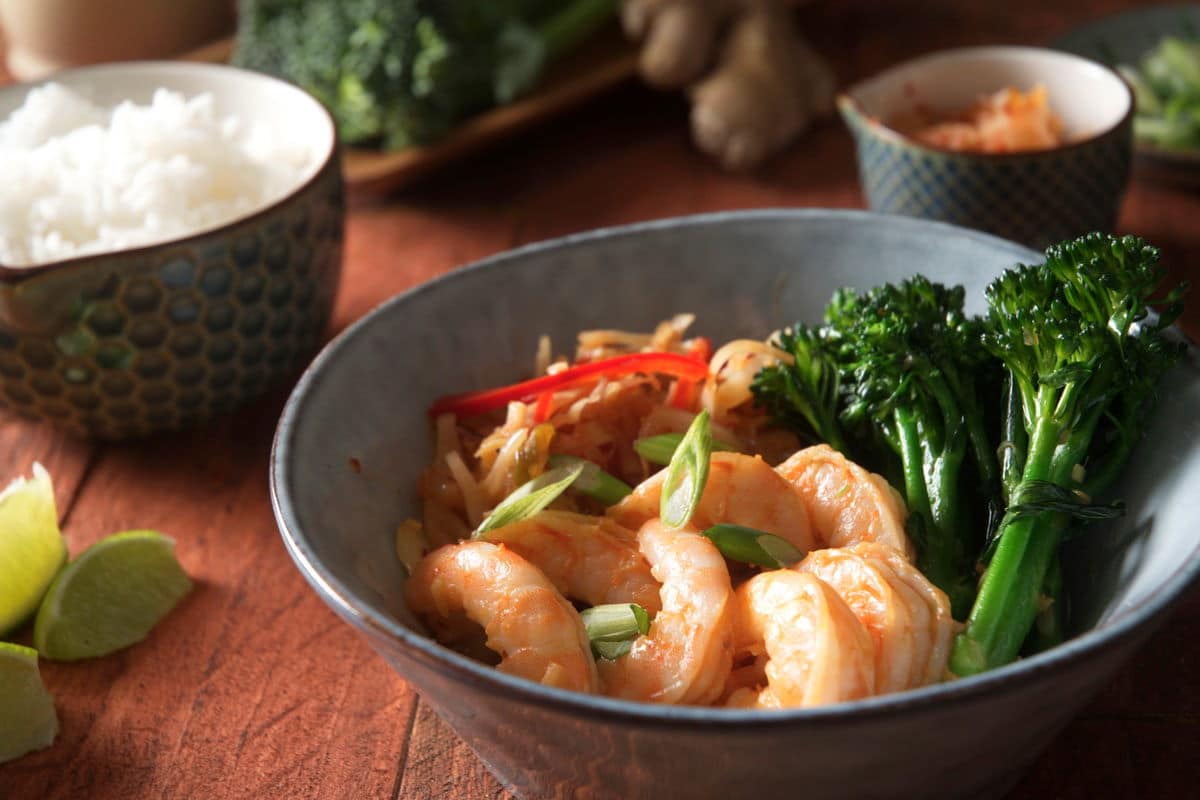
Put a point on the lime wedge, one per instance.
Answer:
(110, 596)
(28, 721)
(31, 547)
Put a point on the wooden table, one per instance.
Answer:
(253, 688)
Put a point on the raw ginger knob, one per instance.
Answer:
(764, 88)
(678, 37)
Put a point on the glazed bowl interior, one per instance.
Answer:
(292, 115)
(354, 437)
(1089, 98)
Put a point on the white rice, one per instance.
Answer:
(76, 178)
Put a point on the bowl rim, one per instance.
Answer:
(1128, 623)
(13, 275)
(851, 106)
(1067, 42)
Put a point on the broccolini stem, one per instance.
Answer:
(830, 432)
(911, 455)
(1007, 602)
(1048, 626)
(1014, 441)
(579, 20)
(982, 449)
(1100, 476)
(943, 461)
(940, 556)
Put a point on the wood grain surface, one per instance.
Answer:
(254, 689)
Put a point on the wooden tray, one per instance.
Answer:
(599, 65)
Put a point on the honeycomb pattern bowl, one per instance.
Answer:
(1036, 197)
(164, 336)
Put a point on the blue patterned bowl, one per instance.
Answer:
(160, 337)
(1035, 197)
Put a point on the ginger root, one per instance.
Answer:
(764, 85)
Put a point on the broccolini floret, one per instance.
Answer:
(1084, 358)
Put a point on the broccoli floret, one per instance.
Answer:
(399, 73)
(353, 55)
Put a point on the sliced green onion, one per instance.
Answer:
(611, 650)
(687, 474)
(593, 481)
(529, 498)
(659, 449)
(751, 546)
(612, 628)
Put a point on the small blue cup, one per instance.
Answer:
(1035, 197)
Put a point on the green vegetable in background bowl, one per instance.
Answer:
(1167, 87)
(400, 73)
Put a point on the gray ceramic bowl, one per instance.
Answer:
(163, 336)
(744, 274)
(1034, 197)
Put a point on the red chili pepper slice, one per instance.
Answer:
(472, 403)
(683, 393)
(541, 412)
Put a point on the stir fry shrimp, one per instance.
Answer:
(816, 649)
(536, 632)
(845, 503)
(590, 559)
(942, 623)
(897, 618)
(741, 490)
(687, 655)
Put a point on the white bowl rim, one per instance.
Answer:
(1127, 623)
(851, 97)
(12, 274)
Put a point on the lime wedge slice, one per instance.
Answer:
(28, 721)
(31, 548)
(110, 596)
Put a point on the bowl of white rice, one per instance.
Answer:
(170, 242)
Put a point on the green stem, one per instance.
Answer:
(1048, 626)
(944, 451)
(524, 51)
(983, 451)
(940, 552)
(832, 436)
(943, 456)
(1007, 602)
(1100, 476)
(1014, 439)
(1074, 450)
(579, 20)
(911, 453)
(947, 391)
